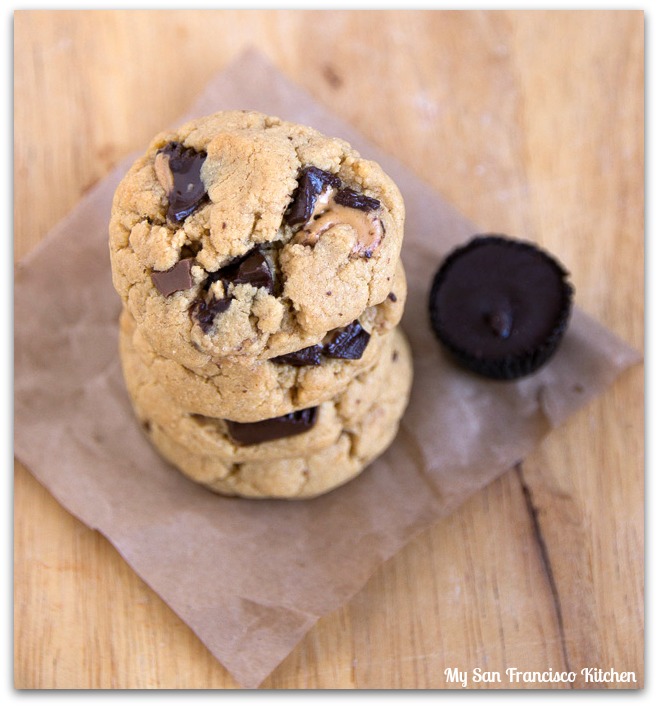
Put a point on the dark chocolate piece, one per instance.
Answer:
(356, 200)
(294, 423)
(188, 190)
(349, 342)
(205, 312)
(252, 269)
(177, 278)
(392, 296)
(500, 306)
(312, 183)
(310, 356)
(255, 270)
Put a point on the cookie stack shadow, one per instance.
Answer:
(231, 363)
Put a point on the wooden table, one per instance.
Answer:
(530, 123)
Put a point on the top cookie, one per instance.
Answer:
(244, 235)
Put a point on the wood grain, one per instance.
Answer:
(531, 123)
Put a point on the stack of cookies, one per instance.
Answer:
(258, 263)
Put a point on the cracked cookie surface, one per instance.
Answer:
(224, 244)
(388, 378)
(247, 390)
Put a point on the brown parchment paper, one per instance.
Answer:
(251, 577)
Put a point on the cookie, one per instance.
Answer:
(311, 473)
(240, 234)
(293, 434)
(246, 390)
(500, 306)
(378, 319)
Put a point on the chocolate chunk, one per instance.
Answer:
(205, 312)
(188, 191)
(252, 269)
(392, 296)
(178, 277)
(294, 423)
(500, 306)
(255, 270)
(310, 356)
(312, 182)
(356, 200)
(349, 342)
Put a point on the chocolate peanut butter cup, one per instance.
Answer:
(500, 306)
